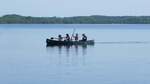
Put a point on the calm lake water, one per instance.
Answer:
(121, 55)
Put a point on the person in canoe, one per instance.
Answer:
(84, 37)
(76, 37)
(67, 38)
(60, 37)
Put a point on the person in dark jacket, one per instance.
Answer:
(76, 37)
(67, 38)
(84, 37)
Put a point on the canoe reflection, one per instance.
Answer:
(68, 55)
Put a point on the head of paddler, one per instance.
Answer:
(59, 35)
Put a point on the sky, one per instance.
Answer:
(67, 8)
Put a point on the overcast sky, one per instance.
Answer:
(75, 7)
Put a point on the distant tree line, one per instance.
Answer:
(95, 19)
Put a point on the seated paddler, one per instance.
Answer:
(60, 38)
(84, 37)
(67, 38)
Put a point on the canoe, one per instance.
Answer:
(68, 43)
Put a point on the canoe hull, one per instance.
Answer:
(68, 43)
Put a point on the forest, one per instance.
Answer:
(93, 19)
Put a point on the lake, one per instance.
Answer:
(121, 55)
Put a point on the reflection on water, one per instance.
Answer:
(68, 55)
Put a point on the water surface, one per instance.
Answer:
(120, 55)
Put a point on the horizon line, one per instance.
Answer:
(80, 15)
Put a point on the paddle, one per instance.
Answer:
(73, 33)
